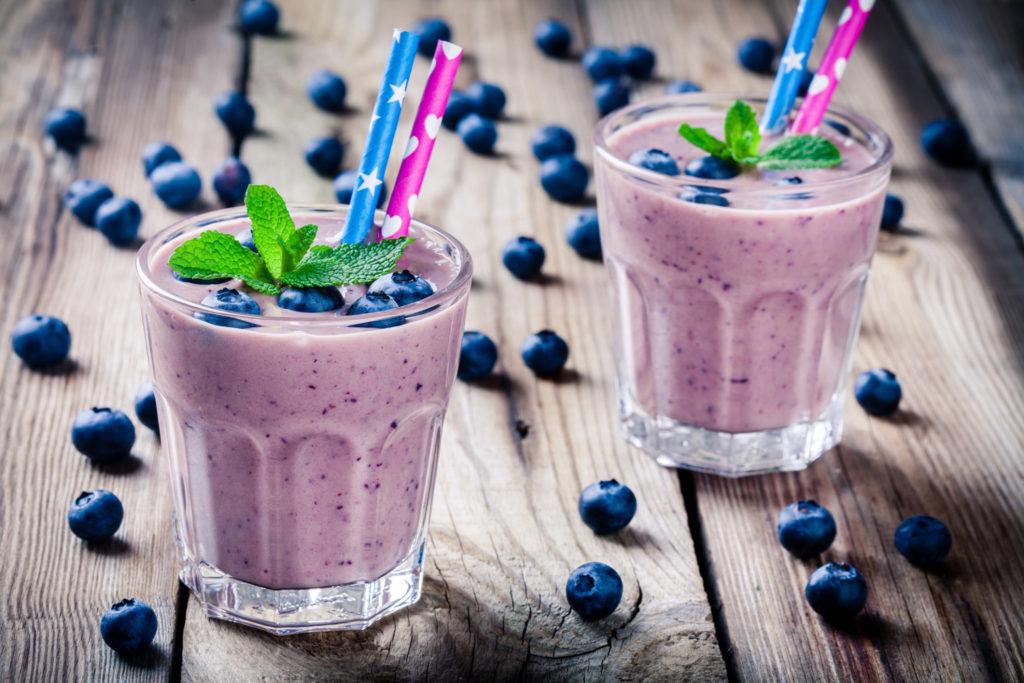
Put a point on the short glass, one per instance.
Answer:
(301, 449)
(734, 326)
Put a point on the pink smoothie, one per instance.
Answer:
(306, 447)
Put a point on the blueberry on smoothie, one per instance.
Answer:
(705, 196)
(324, 155)
(199, 280)
(246, 240)
(327, 90)
(477, 356)
(806, 528)
(655, 160)
(118, 220)
(892, 213)
(789, 180)
(680, 86)
(544, 352)
(713, 168)
(375, 303)
(564, 177)
(550, 141)
(583, 235)
(477, 133)
(601, 62)
(259, 16)
(638, 61)
(923, 540)
(176, 183)
(95, 515)
(230, 300)
(145, 407)
(610, 94)
(756, 54)
(593, 590)
(429, 31)
(459, 105)
(402, 286)
(842, 128)
(487, 99)
(947, 141)
(523, 256)
(877, 391)
(230, 181)
(104, 435)
(236, 113)
(836, 591)
(84, 196)
(345, 185)
(607, 506)
(41, 341)
(66, 127)
(311, 299)
(129, 626)
(157, 153)
(552, 37)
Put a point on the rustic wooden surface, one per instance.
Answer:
(944, 310)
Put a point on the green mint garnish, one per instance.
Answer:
(743, 141)
(286, 256)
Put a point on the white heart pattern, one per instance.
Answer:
(432, 123)
(413, 143)
(845, 16)
(866, 5)
(839, 68)
(412, 204)
(433, 65)
(391, 225)
(818, 85)
(451, 50)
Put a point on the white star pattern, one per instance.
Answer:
(368, 181)
(399, 93)
(793, 61)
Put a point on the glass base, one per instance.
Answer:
(731, 454)
(353, 606)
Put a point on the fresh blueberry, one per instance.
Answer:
(923, 540)
(145, 407)
(713, 168)
(583, 235)
(552, 37)
(607, 506)
(95, 515)
(678, 87)
(477, 133)
(549, 141)
(176, 183)
(230, 300)
(841, 127)
(345, 185)
(84, 196)
(157, 153)
(245, 239)
(230, 181)
(477, 356)
(41, 341)
(655, 160)
(375, 303)
(877, 391)
(236, 113)
(324, 155)
(459, 105)
(311, 299)
(594, 590)
(947, 142)
(638, 61)
(523, 256)
(402, 286)
(259, 16)
(806, 76)
(806, 528)
(129, 626)
(709, 198)
(487, 99)
(836, 591)
(610, 94)
(327, 90)
(118, 219)
(545, 352)
(430, 31)
(564, 177)
(103, 435)
(756, 54)
(66, 127)
(892, 213)
(601, 63)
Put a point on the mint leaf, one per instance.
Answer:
(215, 254)
(273, 229)
(700, 137)
(346, 263)
(801, 151)
(742, 135)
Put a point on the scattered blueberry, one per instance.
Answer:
(95, 515)
(947, 142)
(564, 177)
(583, 235)
(176, 183)
(610, 94)
(145, 407)
(836, 591)
(327, 90)
(324, 155)
(259, 16)
(430, 31)
(756, 54)
(923, 540)
(375, 303)
(839, 126)
(806, 528)
(311, 299)
(487, 99)
(477, 133)
(236, 113)
(230, 300)
(655, 160)
(84, 196)
(345, 185)
(402, 286)
(638, 61)
(607, 506)
(713, 168)
(41, 341)
(601, 63)
(523, 256)
(459, 105)
(877, 391)
(477, 356)
(709, 198)
(230, 181)
(892, 213)
(246, 240)
(103, 435)
(545, 352)
(806, 76)
(66, 127)
(549, 141)
(157, 153)
(678, 87)
(594, 590)
(118, 219)
(552, 37)
(129, 626)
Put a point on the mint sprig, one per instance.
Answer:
(743, 141)
(286, 255)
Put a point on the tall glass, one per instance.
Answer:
(302, 448)
(734, 325)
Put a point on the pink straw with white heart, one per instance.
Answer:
(439, 85)
(832, 66)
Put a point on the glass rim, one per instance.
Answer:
(303, 321)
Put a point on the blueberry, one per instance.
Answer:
(95, 515)
(655, 160)
(564, 177)
(756, 54)
(638, 61)
(923, 540)
(311, 299)
(324, 155)
(245, 239)
(118, 219)
(403, 286)
(199, 280)
(678, 87)
(836, 591)
(713, 168)
(789, 180)
(459, 105)
(806, 528)
(345, 185)
(230, 181)
(709, 198)
(947, 142)
(610, 94)
(477, 356)
(841, 127)
(545, 352)
(230, 300)
(607, 506)
(477, 133)
(877, 391)
(375, 303)
(601, 63)
(236, 113)
(523, 256)
(892, 213)
(41, 341)
(583, 235)
(129, 626)
(259, 16)
(66, 127)
(176, 183)
(552, 37)
(594, 590)
(104, 435)
(430, 31)
(84, 196)
(327, 90)
(145, 407)
(157, 153)
(806, 76)
(487, 99)
(549, 141)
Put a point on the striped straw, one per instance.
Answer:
(793, 62)
(439, 85)
(382, 133)
(832, 66)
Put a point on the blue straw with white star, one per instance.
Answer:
(792, 63)
(382, 133)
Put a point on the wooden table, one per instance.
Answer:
(709, 593)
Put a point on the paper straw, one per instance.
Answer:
(793, 62)
(382, 133)
(832, 66)
(439, 85)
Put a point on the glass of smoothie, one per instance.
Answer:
(302, 447)
(736, 302)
